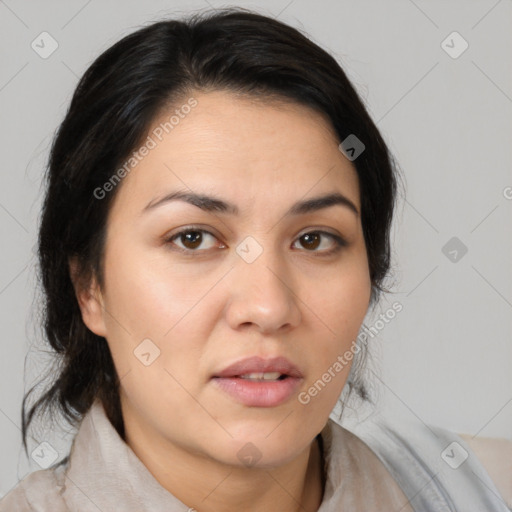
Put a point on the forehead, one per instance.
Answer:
(252, 150)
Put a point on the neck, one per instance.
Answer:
(208, 485)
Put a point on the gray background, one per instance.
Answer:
(446, 358)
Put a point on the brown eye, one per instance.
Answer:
(314, 239)
(191, 239)
(310, 240)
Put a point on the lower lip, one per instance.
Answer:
(259, 393)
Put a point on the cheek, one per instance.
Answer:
(338, 313)
(148, 295)
(154, 341)
(146, 301)
(342, 300)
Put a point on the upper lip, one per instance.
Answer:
(257, 364)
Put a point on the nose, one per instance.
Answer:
(262, 294)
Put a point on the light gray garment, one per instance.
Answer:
(372, 467)
(435, 467)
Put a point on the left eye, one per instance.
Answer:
(191, 239)
(312, 239)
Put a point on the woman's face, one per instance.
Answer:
(176, 310)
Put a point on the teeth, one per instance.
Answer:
(261, 376)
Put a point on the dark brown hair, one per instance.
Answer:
(113, 105)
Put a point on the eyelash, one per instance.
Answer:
(340, 243)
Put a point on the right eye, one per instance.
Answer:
(191, 238)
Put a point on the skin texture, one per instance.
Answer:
(210, 308)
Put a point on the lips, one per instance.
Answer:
(257, 364)
(252, 390)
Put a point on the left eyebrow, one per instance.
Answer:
(213, 204)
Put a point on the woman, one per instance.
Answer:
(215, 228)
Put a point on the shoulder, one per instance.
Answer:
(39, 491)
(495, 454)
(438, 461)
